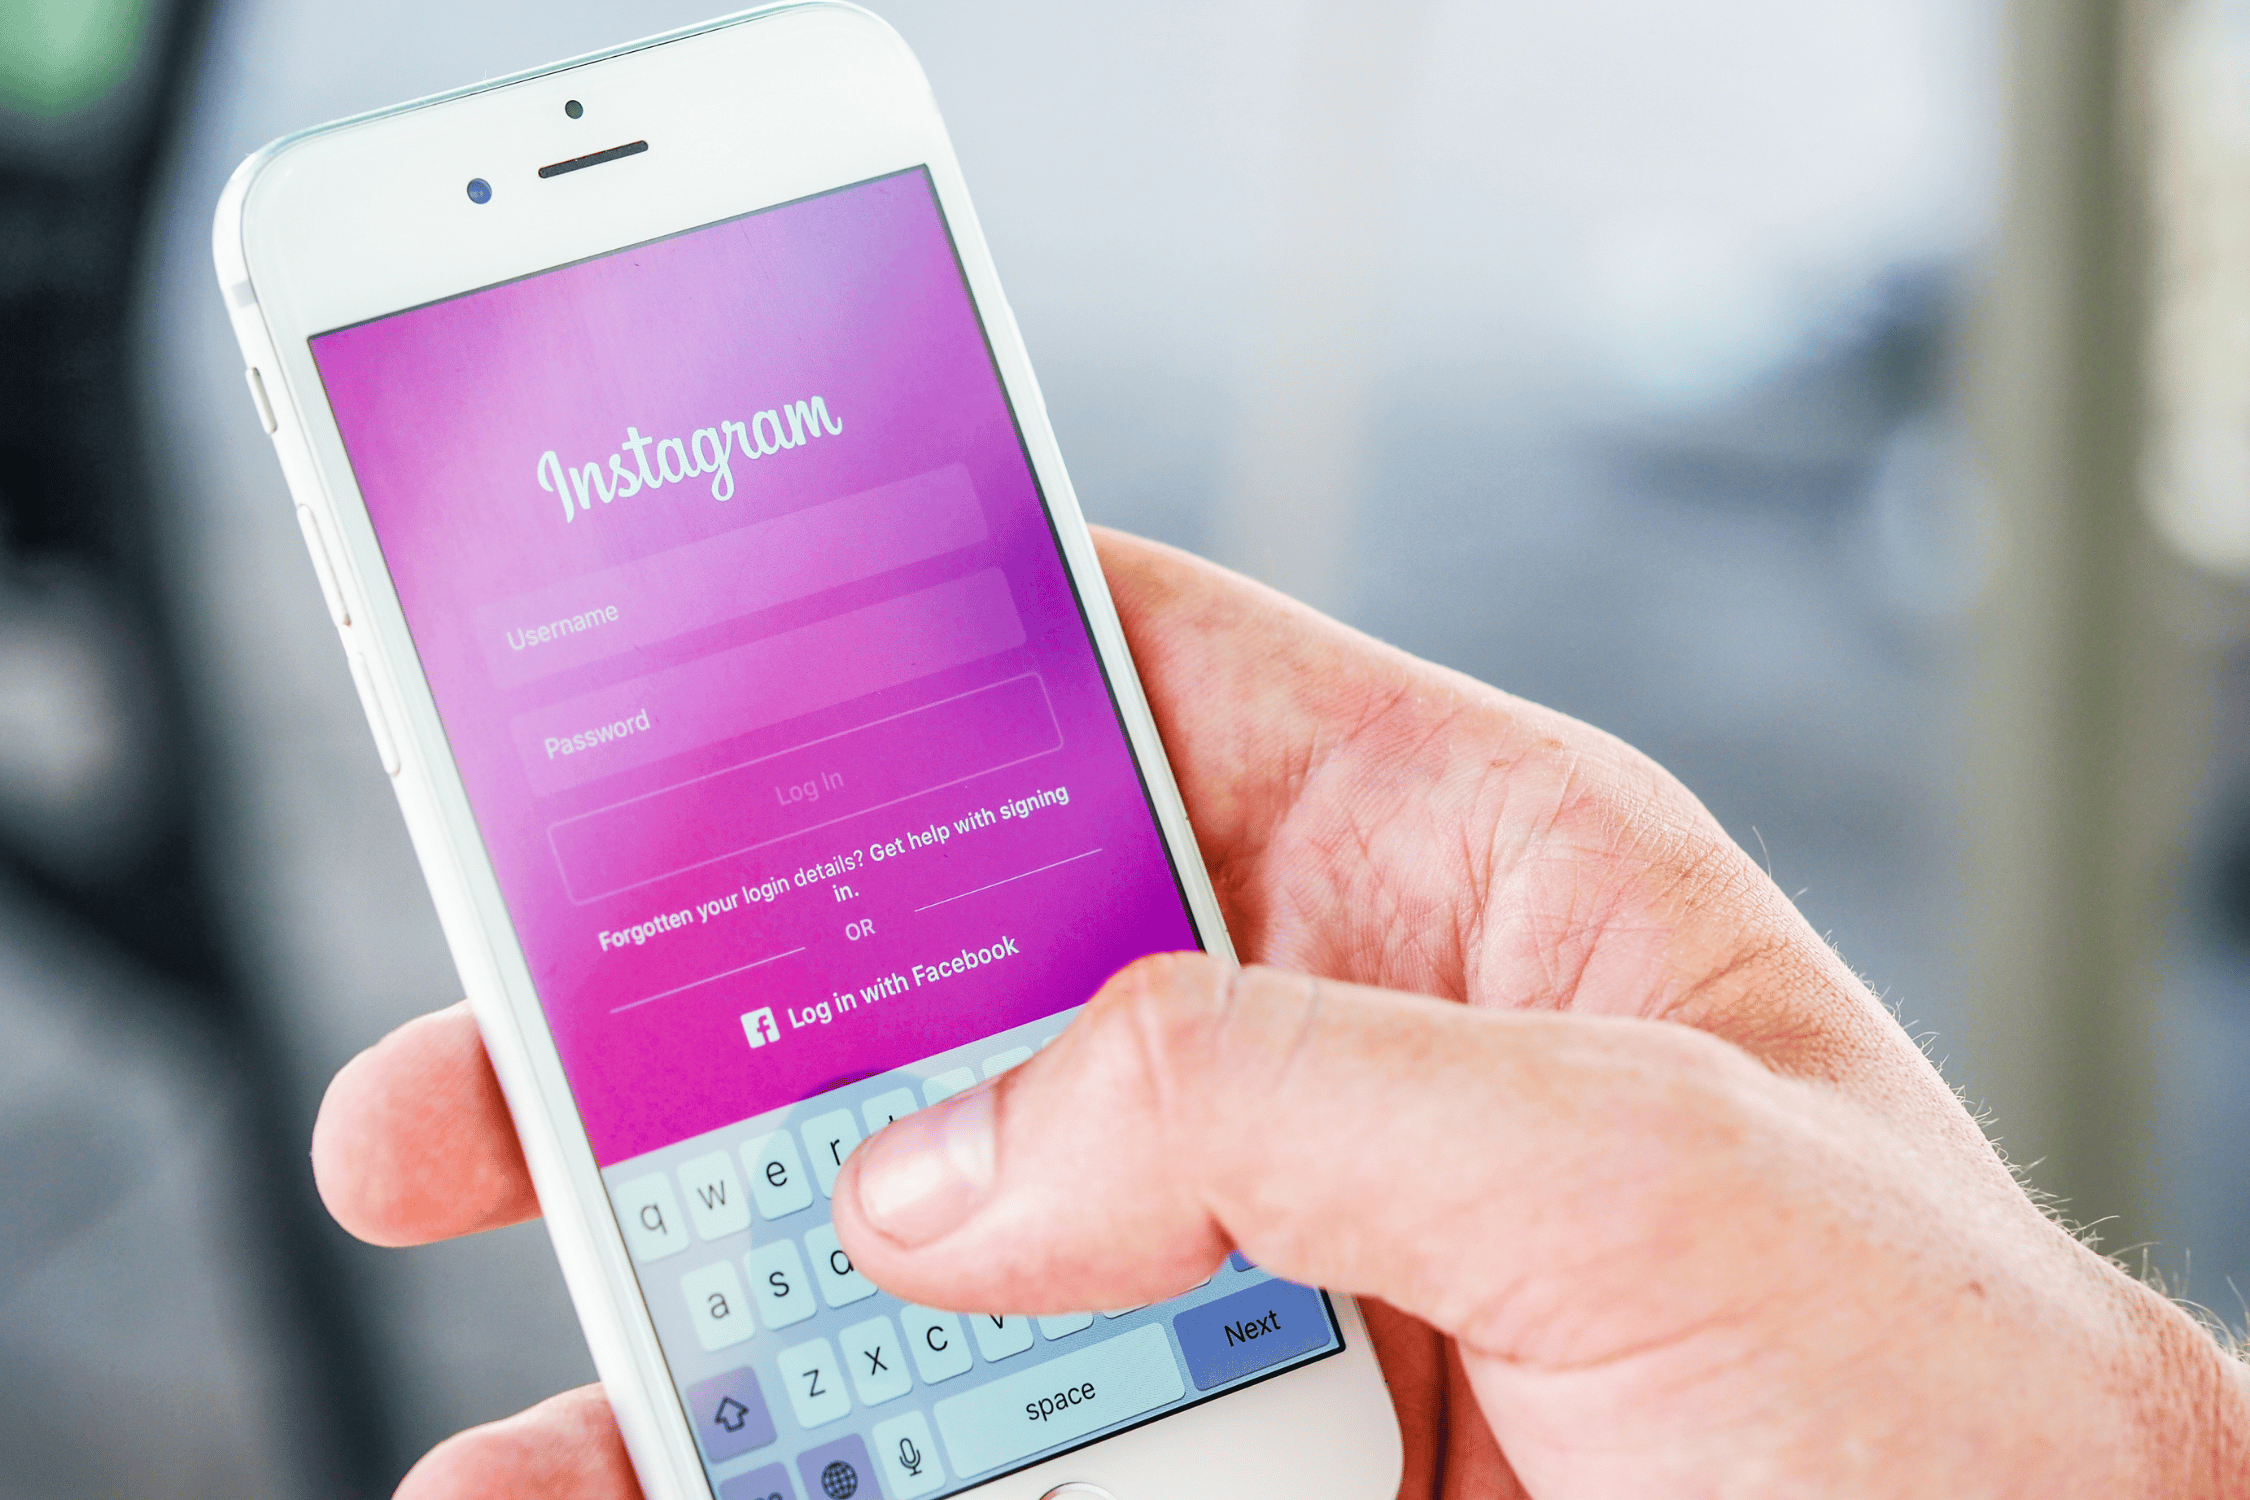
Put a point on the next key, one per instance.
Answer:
(1251, 1330)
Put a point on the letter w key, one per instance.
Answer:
(715, 1198)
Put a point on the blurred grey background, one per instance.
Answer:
(1845, 403)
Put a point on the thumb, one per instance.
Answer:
(1382, 1144)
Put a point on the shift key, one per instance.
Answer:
(1059, 1401)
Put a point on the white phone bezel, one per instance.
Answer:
(368, 217)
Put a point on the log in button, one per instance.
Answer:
(810, 786)
(1250, 1331)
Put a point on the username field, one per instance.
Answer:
(734, 573)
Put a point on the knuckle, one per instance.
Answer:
(1157, 1016)
(1163, 990)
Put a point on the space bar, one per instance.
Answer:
(1059, 1401)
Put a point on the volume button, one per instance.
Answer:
(310, 525)
(385, 745)
(260, 400)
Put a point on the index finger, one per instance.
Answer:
(414, 1142)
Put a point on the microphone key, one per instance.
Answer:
(908, 1456)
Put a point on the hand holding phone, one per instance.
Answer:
(1668, 1205)
(684, 503)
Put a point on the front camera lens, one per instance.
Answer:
(480, 191)
(574, 109)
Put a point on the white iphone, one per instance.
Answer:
(678, 482)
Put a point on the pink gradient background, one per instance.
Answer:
(855, 297)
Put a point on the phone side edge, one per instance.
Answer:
(580, 1223)
(1080, 555)
(1355, 1372)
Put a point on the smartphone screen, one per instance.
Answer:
(807, 793)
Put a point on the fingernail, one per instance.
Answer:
(925, 1174)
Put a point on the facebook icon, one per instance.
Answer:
(759, 1026)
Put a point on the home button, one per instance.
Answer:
(1076, 1491)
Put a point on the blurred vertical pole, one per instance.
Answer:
(2090, 706)
(1298, 457)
